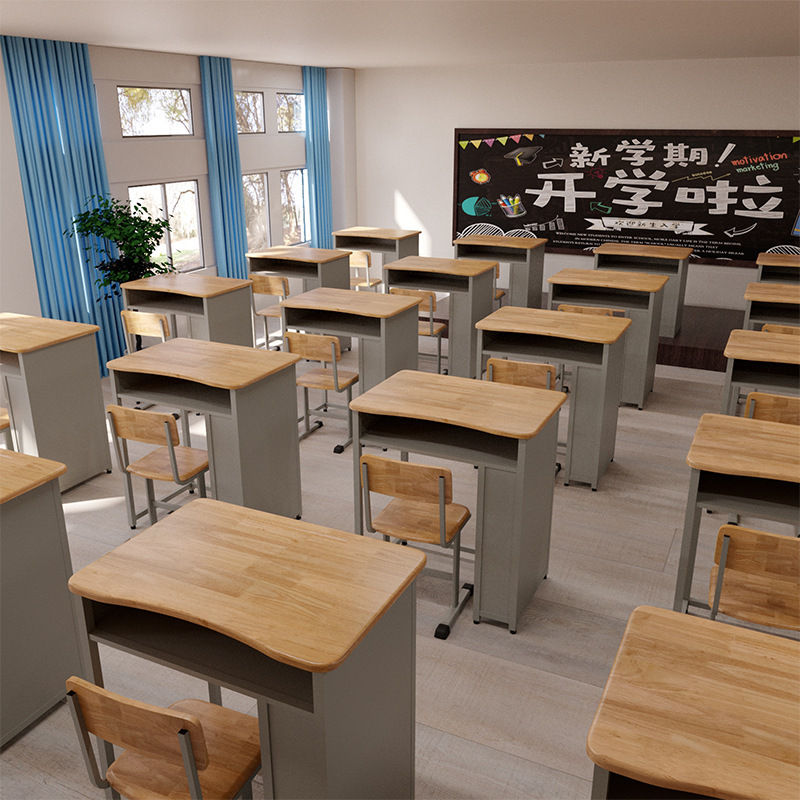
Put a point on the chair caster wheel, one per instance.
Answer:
(513, 633)
(339, 448)
(298, 516)
(442, 631)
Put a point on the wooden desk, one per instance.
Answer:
(698, 706)
(771, 302)
(524, 255)
(778, 268)
(51, 377)
(640, 295)
(385, 325)
(739, 465)
(317, 624)
(391, 243)
(594, 346)
(316, 267)
(39, 649)
(250, 402)
(768, 362)
(510, 433)
(218, 309)
(655, 260)
(470, 285)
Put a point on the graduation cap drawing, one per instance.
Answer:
(523, 155)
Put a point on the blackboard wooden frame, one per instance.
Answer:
(729, 194)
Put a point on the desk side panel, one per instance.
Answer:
(228, 318)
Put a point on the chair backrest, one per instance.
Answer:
(360, 259)
(138, 726)
(270, 284)
(313, 346)
(771, 327)
(427, 300)
(142, 426)
(521, 373)
(603, 312)
(773, 407)
(774, 561)
(145, 323)
(405, 480)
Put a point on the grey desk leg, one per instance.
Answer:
(266, 749)
(525, 280)
(466, 309)
(691, 529)
(600, 783)
(358, 503)
(728, 398)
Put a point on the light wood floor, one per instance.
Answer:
(498, 716)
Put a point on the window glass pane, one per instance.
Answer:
(291, 113)
(154, 112)
(249, 112)
(182, 242)
(294, 205)
(152, 198)
(256, 211)
(185, 224)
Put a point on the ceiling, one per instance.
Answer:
(473, 34)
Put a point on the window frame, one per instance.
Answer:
(137, 136)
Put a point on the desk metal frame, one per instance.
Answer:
(778, 268)
(514, 502)
(782, 310)
(641, 342)
(524, 256)
(652, 260)
(225, 317)
(253, 447)
(391, 244)
(594, 391)
(471, 299)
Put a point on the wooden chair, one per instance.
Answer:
(169, 462)
(497, 294)
(771, 327)
(327, 350)
(427, 325)
(143, 323)
(275, 286)
(521, 373)
(756, 577)
(5, 428)
(422, 511)
(360, 265)
(773, 408)
(193, 749)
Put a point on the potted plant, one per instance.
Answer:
(134, 231)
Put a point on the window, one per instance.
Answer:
(294, 205)
(256, 211)
(291, 113)
(182, 242)
(249, 112)
(155, 112)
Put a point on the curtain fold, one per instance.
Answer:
(224, 167)
(318, 157)
(62, 165)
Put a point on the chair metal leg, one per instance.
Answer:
(151, 501)
(461, 594)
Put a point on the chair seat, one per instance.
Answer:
(323, 379)
(438, 328)
(269, 311)
(234, 754)
(415, 521)
(367, 284)
(498, 293)
(155, 465)
(5, 422)
(761, 599)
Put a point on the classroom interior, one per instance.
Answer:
(497, 716)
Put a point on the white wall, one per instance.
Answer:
(406, 118)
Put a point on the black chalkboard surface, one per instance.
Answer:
(728, 194)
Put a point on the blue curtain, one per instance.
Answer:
(224, 167)
(61, 161)
(318, 157)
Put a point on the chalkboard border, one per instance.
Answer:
(488, 133)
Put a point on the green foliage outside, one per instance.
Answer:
(135, 233)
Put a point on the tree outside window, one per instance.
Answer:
(249, 112)
(154, 112)
(294, 205)
(256, 211)
(291, 112)
(176, 202)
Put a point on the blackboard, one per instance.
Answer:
(730, 195)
